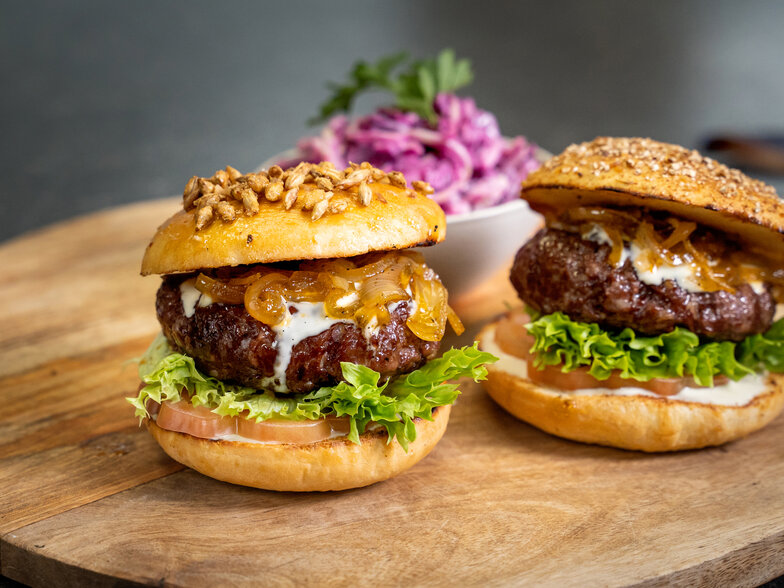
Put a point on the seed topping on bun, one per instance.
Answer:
(315, 189)
(645, 156)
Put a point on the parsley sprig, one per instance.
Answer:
(414, 88)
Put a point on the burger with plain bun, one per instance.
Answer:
(300, 333)
(650, 299)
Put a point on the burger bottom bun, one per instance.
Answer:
(642, 423)
(334, 464)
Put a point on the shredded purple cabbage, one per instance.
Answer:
(465, 158)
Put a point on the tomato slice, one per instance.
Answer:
(512, 337)
(201, 422)
(198, 421)
(280, 431)
(579, 379)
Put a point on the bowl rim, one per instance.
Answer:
(490, 211)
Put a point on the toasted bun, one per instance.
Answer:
(336, 464)
(641, 423)
(647, 173)
(395, 218)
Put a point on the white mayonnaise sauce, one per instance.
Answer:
(597, 234)
(683, 275)
(731, 394)
(191, 297)
(335, 434)
(310, 319)
(234, 437)
(240, 439)
(347, 300)
(371, 328)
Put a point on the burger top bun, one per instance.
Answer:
(643, 172)
(312, 211)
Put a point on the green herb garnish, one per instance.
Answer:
(414, 89)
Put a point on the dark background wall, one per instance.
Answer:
(110, 102)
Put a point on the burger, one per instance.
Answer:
(299, 331)
(650, 297)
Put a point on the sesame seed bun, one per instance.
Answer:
(335, 464)
(647, 173)
(643, 423)
(355, 219)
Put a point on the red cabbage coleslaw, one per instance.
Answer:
(463, 156)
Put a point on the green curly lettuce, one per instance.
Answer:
(558, 340)
(393, 404)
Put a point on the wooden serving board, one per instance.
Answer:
(89, 499)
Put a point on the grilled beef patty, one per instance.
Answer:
(229, 344)
(559, 271)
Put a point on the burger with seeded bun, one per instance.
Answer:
(299, 331)
(650, 300)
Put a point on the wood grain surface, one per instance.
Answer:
(89, 498)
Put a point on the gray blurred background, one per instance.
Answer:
(105, 103)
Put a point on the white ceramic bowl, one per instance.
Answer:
(478, 243)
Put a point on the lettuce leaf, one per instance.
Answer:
(558, 340)
(393, 404)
